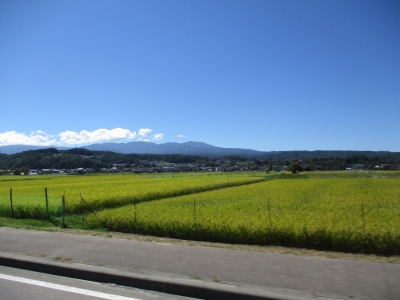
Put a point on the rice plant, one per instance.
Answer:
(357, 215)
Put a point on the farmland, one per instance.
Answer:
(352, 214)
(102, 192)
(345, 211)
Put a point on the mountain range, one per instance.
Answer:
(202, 149)
(188, 148)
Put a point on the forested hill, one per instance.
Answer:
(205, 150)
(83, 158)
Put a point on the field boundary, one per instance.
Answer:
(86, 205)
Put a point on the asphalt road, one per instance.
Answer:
(303, 276)
(26, 285)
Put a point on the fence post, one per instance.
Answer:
(269, 215)
(362, 215)
(47, 202)
(194, 216)
(63, 212)
(134, 214)
(82, 215)
(12, 208)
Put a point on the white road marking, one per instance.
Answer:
(65, 288)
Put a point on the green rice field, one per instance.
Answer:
(352, 214)
(102, 191)
(342, 211)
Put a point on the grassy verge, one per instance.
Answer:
(29, 224)
(26, 223)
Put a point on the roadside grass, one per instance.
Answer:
(26, 223)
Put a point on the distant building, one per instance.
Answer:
(358, 167)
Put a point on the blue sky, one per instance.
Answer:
(265, 75)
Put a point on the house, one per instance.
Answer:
(140, 170)
(168, 169)
(359, 167)
(33, 172)
(113, 170)
(384, 167)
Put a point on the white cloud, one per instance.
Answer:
(41, 138)
(180, 135)
(144, 132)
(158, 136)
(97, 136)
(38, 138)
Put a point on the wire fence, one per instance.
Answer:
(43, 206)
(35, 206)
(360, 214)
(355, 226)
(203, 174)
(350, 225)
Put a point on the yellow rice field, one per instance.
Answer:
(106, 190)
(355, 214)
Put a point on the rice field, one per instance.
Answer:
(351, 214)
(354, 212)
(102, 191)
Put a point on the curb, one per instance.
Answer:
(175, 286)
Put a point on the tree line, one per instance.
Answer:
(52, 158)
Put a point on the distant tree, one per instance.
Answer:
(254, 168)
(268, 168)
(20, 171)
(295, 167)
(210, 163)
(257, 162)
